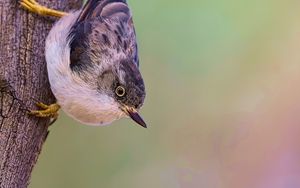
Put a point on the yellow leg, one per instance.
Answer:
(47, 110)
(33, 6)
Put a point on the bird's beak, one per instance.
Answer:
(134, 115)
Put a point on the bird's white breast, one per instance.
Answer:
(75, 96)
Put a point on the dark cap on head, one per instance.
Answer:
(134, 85)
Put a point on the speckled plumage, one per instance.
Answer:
(89, 53)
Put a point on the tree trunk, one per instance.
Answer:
(23, 81)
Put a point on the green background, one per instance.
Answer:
(222, 79)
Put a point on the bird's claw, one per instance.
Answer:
(32, 6)
(47, 111)
(35, 7)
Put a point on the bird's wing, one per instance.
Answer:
(110, 23)
(105, 9)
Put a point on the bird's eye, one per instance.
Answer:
(120, 91)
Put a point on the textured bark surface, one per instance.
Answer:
(23, 79)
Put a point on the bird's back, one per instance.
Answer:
(103, 32)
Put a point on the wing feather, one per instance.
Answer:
(104, 8)
(107, 23)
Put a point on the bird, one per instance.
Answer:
(92, 63)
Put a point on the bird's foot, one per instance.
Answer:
(33, 6)
(47, 111)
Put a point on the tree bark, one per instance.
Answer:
(23, 81)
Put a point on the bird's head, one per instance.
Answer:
(123, 82)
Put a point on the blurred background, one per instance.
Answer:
(223, 104)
